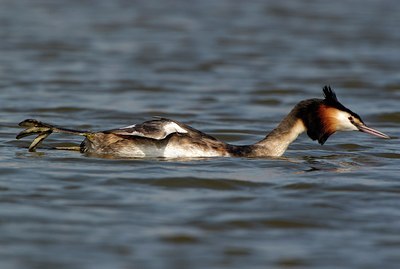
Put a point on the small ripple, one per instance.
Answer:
(199, 183)
(246, 224)
(351, 147)
(6, 171)
(292, 262)
(300, 186)
(3, 188)
(393, 117)
(355, 83)
(59, 109)
(181, 239)
(387, 155)
(123, 86)
(207, 66)
(362, 188)
(266, 102)
(392, 87)
(291, 224)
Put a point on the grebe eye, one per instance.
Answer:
(351, 119)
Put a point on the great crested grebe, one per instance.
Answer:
(163, 137)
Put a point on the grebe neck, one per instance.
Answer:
(276, 142)
(279, 139)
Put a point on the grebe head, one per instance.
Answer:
(324, 117)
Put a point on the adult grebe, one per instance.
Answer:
(163, 137)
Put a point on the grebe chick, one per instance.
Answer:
(162, 137)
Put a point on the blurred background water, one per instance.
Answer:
(232, 69)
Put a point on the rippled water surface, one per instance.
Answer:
(232, 69)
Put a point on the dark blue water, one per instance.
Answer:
(229, 68)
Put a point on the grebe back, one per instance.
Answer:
(162, 137)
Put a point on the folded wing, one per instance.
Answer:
(154, 129)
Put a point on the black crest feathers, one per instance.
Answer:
(330, 95)
(331, 100)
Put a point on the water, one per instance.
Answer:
(232, 69)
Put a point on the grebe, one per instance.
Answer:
(162, 137)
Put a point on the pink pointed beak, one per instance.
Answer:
(365, 129)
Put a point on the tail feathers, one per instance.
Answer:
(43, 130)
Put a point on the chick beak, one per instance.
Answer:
(365, 129)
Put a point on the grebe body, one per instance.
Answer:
(162, 137)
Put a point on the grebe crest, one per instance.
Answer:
(323, 118)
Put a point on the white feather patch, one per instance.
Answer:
(161, 130)
(172, 127)
(344, 123)
(130, 126)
